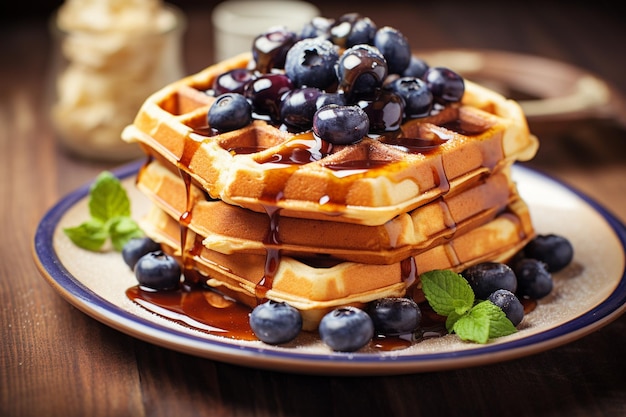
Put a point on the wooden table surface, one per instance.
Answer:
(57, 361)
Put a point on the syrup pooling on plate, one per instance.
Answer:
(207, 311)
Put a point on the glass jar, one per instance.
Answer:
(100, 77)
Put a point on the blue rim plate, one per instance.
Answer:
(588, 294)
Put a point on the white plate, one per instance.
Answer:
(588, 294)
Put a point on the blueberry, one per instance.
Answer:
(446, 85)
(361, 70)
(352, 29)
(394, 316)
(318, 27)
(533, 279)
(230, 111)
(346, 329)
(137, 247)
(555, 251)
(330, 98)
(158, 271)
(269, 49)
(487, 277)
(275, 322)
(265, 93)
(418, 100)
(298, 107)
(385, 111)
(233, 81)
(311, 62)
(340, 125)
(510, 305)
(395, 48)
(417, 68)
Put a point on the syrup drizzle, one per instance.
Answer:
(272, 259)
(196, 306)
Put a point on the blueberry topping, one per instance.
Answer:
(385, 111)
(361, 70)
(269, 49)
(510, 305)
(395, 48)
(330, 98)
(275, 322)
(265, 93)
(352, 29)
(346, 329)
(230, 111)
(533, 279)
(555, 251)
(487, 277)
(158, 271)
(311, 63)
(418, 100)
(298, 107)
(233, 81)
(318, 27)
(417, 68)
(137, 247)
(340, 125)
(446, 85)
(394, 316)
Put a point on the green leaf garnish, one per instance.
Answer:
(450, 295)
(109, 209)
(447, 292)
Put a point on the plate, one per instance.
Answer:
(549, 91)
(587, 295)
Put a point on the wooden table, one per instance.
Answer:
(57, 361)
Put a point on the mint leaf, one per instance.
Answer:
(447, 292)
(121, 230)
(499, 324)
(450, 295)
(451, 321)
(89, 235)
(108, 199)
(473, 326)
(109, 208)
(483, 322)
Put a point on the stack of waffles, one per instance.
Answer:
(261, 213)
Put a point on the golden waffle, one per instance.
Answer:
(229, 229)
(246, 167)
(315, 288)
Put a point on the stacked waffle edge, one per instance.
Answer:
(316, 236)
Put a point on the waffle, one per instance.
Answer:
(229, 229)
(315, 287)
(263, 213)
(482, 134)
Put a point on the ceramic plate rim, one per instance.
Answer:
(90, 303)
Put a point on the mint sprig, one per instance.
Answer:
(450, 295)
(109, 209)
